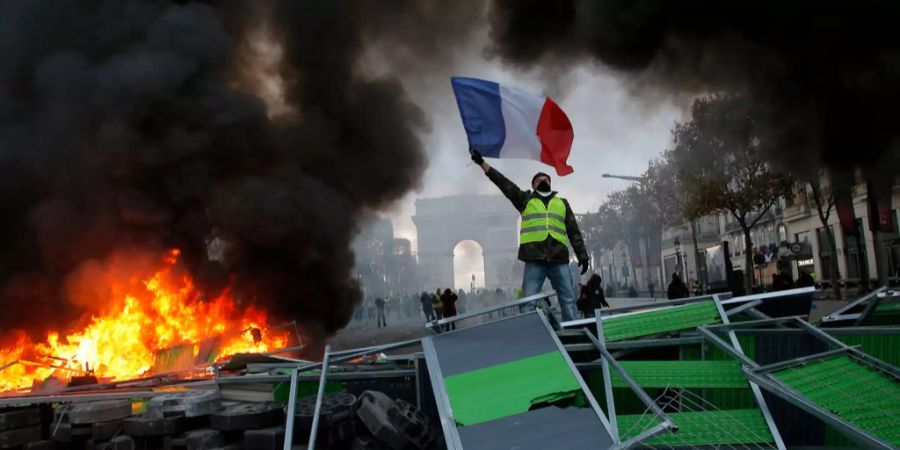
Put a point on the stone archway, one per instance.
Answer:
(489, 220)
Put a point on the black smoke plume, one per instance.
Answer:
(137, 125)
(825, 75)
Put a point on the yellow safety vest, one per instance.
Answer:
(538, 221)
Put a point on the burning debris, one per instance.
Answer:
(150, 323)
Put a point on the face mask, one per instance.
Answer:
(543, 186)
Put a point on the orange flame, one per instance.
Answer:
(125, 340)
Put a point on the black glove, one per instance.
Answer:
(476, 156)
(584, 267)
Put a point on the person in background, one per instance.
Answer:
(379, 304)
(370, 308)
(428, 306)
(448, 299)
(388, 305)
(781, 282)
(696, 288)
(591, 296)
(500, 298)
(610, 290)
(652, 288)
(805, 279)
(632, 292)
(676, 289)
(461, 303)
(438, 305)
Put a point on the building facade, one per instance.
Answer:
(791, 221)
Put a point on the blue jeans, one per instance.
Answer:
(560, 279)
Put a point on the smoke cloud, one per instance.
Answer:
(142, 126)
(825, 76)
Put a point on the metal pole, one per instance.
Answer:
(752, 323)
(639, 391)
(607, 381)
(8, 364)
(584, 387)
(284, 350)
(644, 436)
(418, 384)
(722, 345)
(743, 307)
(825, 337)
(760, 401)
(801, 360)
(834, 315)
(654, 342)
(321, 394)
(442, 401)
(292, 409)
(869, 308)
(848, 429)
(337, 356)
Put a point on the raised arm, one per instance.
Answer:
(518, 197)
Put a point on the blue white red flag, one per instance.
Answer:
(508, 123)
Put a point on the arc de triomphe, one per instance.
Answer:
(489, 220)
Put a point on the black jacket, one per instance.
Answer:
(592, 296)
(427, 301)
(677, 290)
(550, 250)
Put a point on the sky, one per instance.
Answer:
(616, 131)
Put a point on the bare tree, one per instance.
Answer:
(675, 209)
(718, 155)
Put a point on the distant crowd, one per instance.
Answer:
(592, 295)
(428, 306)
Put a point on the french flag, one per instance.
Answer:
(505, 122)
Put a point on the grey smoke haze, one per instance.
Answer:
(823, 75)
(130, 126)
(133, 125)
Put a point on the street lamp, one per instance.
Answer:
(624, 177)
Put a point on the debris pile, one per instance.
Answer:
(688, 373)
(245, 405)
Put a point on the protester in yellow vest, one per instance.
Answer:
(548, 228)
(438, 305)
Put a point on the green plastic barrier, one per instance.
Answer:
(510, 388)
